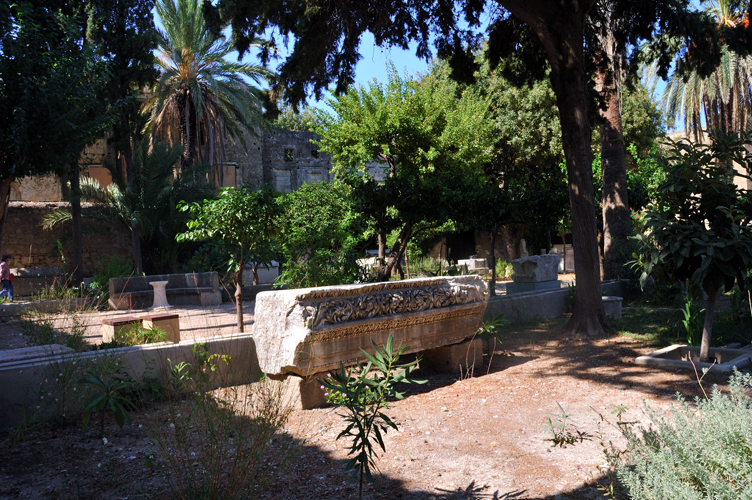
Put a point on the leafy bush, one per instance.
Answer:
(44, 329)
(695, 453)
(503, 269)
(115, 267)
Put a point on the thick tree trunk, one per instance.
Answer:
(707, 327)
(395, 255)
(560, 26)
(239, 296)
(511, 241)
(383, 272)
(616, 224)
(138, 263)
(4, 202)
(77, 237)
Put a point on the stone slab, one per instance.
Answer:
(536, 268)
(38, 351)
(307, 331)
(540, 286)
(456, 358)
(678, 356)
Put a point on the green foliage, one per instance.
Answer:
(562, 427)
(699, 229)
(108, 395)
(430, 139)
(138, 335)
(201, 97)
(320, 236)
(503, 269)
(691, 319)
(224, 444)
(288, 119)
(241, 219)
(364, 391)
(700, 451)
(44, 329)
(114, 267)
(645, 178)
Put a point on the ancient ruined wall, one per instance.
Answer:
(247, 160)
(290, 160)
(24, 238)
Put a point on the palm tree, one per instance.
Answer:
(200, 97)
(147, 204)
(724, 97)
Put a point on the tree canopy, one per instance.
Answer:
(429, 140)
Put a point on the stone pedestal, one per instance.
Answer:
(456, 358)
(169, 323)
(303, 393)
(612, 306)
(111, 328)
(160, 295)
(540, 286)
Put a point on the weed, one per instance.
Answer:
(107, 394)
(563, 428)
(571, 296)
(219, 444)
(364, 391)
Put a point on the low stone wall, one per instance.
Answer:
(30, 281)
(311, 330)
(23, 371)
(31, 246)
(532, 305)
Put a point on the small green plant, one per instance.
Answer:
(363, 392)
(571, 296)
(44, 329)
(138, 335)
(692, 319)
(563, 428)
(503, 269)
(108, 394)
(115, 267)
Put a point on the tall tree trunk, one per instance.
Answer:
(492, 263)
(383, 274)
(560, 26)
(707, 327)
(77, 237)
(239, 296)
(187, 132)
(4, 203)
(138, 262)
(616, 223)
(395, 255)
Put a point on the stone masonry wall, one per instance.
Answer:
(32, 246)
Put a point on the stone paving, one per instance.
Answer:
(195, 322)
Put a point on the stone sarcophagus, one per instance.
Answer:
(311, 330)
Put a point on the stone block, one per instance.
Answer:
(535, 268)
(455, 358)
(304, 331)
(210, 298)
(612, 306)
(539, 286)
(169, 323)
(111, 328)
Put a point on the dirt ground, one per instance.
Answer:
(473, 437)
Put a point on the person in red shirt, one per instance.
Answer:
(5, 276)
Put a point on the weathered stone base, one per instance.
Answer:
(302, 393)
(456, 358)
(612, 306)
(539, 286)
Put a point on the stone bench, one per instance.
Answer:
(135, 292)
(307, 332)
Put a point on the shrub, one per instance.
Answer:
(116, 267)
(695, 453)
